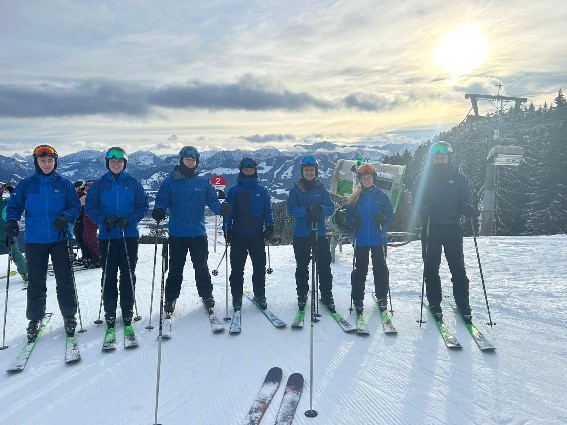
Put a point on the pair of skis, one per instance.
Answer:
(72, 353)
(289, 403)
(109, 341)
(216, 325)
(236, 327)
(449, 338)
(299, 320)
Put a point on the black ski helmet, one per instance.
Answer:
(189, 152)
(116, 152)
(43, 151)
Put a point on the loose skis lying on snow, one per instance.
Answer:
(448, 337)
(23, 356)
(290, 400)
(72, 353)
(298, 320)
(477, 335)
(130, 339)
(216, 325)
(235, 323)
(276, 321)
(109, 341)
(264, 397)
(12, 273)
(343, 323)
(387, 324)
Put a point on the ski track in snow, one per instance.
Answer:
(409, 378)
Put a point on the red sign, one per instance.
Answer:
(218, 181)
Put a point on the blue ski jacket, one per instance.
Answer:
(251, 208)
(43, 199)
(124, 197)
(447, 190)
(185, 199)
(300, 198)
(372, 201)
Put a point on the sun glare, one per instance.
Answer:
(461, 51)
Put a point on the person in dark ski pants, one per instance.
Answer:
(17, 256)
(309, 203)
(79, 227)
(117, 202)
(184, 194)
(369, 212)
(445, 197)
(90, 231)
(50, 205)
(248, 224)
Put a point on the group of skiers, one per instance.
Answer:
(116, 202)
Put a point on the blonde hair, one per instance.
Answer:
(354, 197)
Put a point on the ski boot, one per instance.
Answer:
(261, 301)
(237, 303)
(209, 303)
(359, 306)
(437, 312)
(382, 304)
(301, 302)
(70, 324)
(466, 312)
(169, 306)
(33, 330)
(329, 302)
(127, 317)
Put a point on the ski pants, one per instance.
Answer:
(379, 270)
(199, 251)
(118, 254)
(17, 256)
(448, 237)
(38, 257)
(302, 248)
(240, 248)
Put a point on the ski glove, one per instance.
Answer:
(269, 232)
(110, 222)
(469, 210)
(12, 228)
(224, 209)
(228, 236)
(158, 214)
(380, 220)
(61, 222)
(314, 213)
(123, 222)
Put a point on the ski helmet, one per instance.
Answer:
(309, 161)
(116, 152)
(43, 151)
(440, 148)
(189, 152)
(247, 163)
(367, 169)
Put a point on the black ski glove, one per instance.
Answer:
(269, 232)
(110, 222)
(61, 223)
(380, 220)
(224, 209)
(12, 228)
(123, 222)
(469, 210)
(158, 214)
(314, 213)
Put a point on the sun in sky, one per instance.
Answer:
(461, 51)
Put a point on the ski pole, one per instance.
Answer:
(316, 268)
(164, 257)
(226, 317)
(131, 273)
(70, 248)
(98, 321)
(215, 272)
(490, 322)
(269, 270)
(421, 321)
(311, 413)
(150, 327)
(384, 253)
(353, 268)
(9, 245)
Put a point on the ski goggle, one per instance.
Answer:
(116, 154)
(366, 169)
(308, 160)
(248, 163)
(439, 149)
(189, 153)
(45, 150)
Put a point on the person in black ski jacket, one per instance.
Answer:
(369, 212)
(309, 203)
(445, 197)
(248, 223)
(50, 205)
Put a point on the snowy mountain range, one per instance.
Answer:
(277, 169)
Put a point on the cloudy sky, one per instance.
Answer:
(160, 74)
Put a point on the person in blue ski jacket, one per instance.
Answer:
(248, 223)
(50, 205)
(446, 196)
(184, 194)
(309, 203)
(17, 255)
(117, 202)
(369, 212)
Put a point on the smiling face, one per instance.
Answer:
(309, 173)
(189, 162)
(248, 171)
(367, 180)
(116, 165)
(440, 158)
(46, 164)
